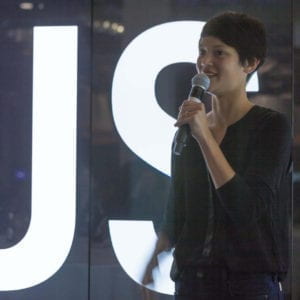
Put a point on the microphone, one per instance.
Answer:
(200, 83)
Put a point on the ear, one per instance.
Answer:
(251, 65)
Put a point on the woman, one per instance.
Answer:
(227, 215)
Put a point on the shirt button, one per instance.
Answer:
(200, 274)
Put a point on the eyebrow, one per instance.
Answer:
(215, 46)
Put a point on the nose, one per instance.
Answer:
(203, 61)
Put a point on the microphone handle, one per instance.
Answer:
(184, 131)
(181, 137)
(196, 92)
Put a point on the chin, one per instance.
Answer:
(212, 90)
(216, 92)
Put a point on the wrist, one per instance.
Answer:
(204, 137)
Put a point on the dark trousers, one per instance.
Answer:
(219, 284)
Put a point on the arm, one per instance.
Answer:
(162, 244)
(245, 196)
(194, 114)
(219, 168)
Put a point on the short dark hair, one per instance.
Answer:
(244, 33)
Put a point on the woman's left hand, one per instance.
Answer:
(194, 114)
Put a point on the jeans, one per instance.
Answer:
(218, 284)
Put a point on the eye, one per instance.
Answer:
(202, 51)
(219, 52)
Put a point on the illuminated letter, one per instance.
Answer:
(133, 252)
(48, 240)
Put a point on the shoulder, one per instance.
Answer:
(272, 131)
(268, 119)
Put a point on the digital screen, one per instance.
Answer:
(141, 76)
(90, 92)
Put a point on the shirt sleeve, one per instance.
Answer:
(246, 196)
(173, 218)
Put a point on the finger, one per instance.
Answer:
(147, 279)
(191, 103)
(183, 114)
(193, 99)
(182, 104)
(145, 293)
(186, 117)
(181, 120)
(192, 106)
(186, 111)
(180, 123)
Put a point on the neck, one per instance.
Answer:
(228, 109)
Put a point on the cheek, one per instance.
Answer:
(232, 70)
(198, 65)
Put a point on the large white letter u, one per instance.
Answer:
(48, 240)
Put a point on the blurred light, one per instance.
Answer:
(106, 24)
(97, 24)
(26, 5)
(109, 27)
(114, 26)
(120, 29)
(20, 174)
(41, 6)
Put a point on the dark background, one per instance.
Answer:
(131, 188)
(113, 183)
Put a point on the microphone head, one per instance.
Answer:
(201, 80)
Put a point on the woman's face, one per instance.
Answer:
(221, 64)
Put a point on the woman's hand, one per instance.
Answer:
(148, 278)
(162, 244)
(208, 138)
(152, 264)
(194, 114)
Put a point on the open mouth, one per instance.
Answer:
(210, 75)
